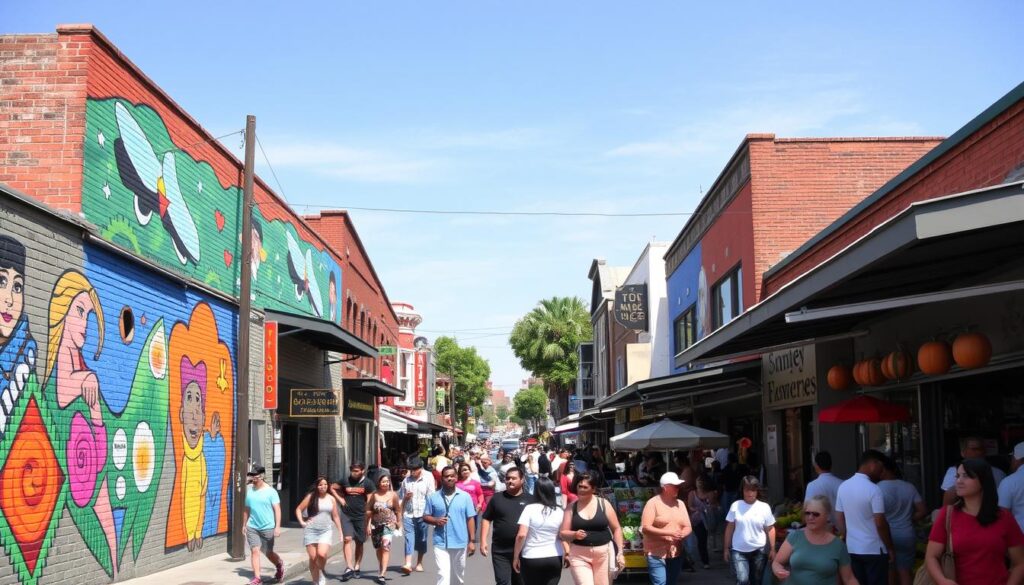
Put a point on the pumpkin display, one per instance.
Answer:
(934, 358)
(839, 377)
(873, 372)
(897, 365)
(858, 373)
(972, 350)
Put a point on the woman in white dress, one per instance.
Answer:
(319, 517)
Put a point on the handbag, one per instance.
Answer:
(947, 561)
(613, 554)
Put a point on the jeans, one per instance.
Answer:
(542, 571)
(416, 532)
(664, 571)
(531, 481)
(748, 567)
(503, 573)
(451, 565)
(870, 569)
(697, 543)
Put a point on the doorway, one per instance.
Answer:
(797, 437)
(298, 465)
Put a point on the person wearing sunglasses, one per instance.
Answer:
(814, 556)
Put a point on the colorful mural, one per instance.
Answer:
(151, 196)
(85, 423)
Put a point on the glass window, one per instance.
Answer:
(685, 329)
(727, 298)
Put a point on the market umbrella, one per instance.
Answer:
(864, 409)
(668, 434)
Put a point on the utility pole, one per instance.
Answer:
(237, 543)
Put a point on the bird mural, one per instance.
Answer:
(300, 269)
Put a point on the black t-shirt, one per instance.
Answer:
(503, 512)
(355, 493)
(544, 464)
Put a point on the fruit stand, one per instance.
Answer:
(629, 501)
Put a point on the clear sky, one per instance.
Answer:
(610, 107)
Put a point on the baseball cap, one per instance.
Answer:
(1018, 451)
(257, 470)
(670, 478)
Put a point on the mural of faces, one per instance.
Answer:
(12, 285)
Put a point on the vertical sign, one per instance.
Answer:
(421, 381)
(270, 365)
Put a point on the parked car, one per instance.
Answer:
(510, 445)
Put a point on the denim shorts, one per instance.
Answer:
(905, 544)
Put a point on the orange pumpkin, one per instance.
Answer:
(896, 365)
(839, 377)
(934, 358)
(858, 373)
(886, 370)
(972, 350)
(873, 374)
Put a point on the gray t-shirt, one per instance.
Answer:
(900, 497)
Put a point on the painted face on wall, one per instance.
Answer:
(12, 301)
(192, 415)
(332, 297)
(76, 325)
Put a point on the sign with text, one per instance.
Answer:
(790, 377)
(421, 381)
(630, 306)
(315, 402)
(270, 365)
(359, 405)
(575, 404)
(386, 350)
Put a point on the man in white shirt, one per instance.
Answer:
(970, 448)
(531, 463)
(1011, 490)
(860, 514)
(826, 484)
(559, 460)
(415, 490)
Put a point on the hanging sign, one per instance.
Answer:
(316, 402)
(789, 377)
(270, 365)
(421, 381)
(630, 306)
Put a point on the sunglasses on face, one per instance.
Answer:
(812, 514)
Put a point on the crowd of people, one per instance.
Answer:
(540, 511)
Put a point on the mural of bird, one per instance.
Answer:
(300, 269)
(153, 179)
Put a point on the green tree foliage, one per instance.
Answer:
(545, 339)
(502, 413)
(531, 405)
(469, 374)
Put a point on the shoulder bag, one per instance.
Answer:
(947, 561)
(613, 552)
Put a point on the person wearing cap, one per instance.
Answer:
(1011, 489)
(415, 489)
(351, 494)
(262, 521)
(665, 523)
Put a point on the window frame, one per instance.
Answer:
(734, 278)
(679, 345)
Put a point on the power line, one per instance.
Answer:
(272, 172)
(498, 213)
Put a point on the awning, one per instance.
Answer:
(323, 334)
(935, 250)
(392, 423)
(415, 425)
(703, 388)
(371, 386)
(567, 427)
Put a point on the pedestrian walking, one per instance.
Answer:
(982, 534)
(700, 501)
(538, 550)
(383, 511)
(489, 481)
(814, 556)
(416, 488)
(665, 523)
(1011, 489)
(531, 463)
(592, 527)
(318, 516)
(749, 541)
(825, 484)
(471, 486)
(903, 507)
(451, 512)
(564, 478)
(350, 493)
(502, 513)
(860, 514)
(262, 521)
(970, 448)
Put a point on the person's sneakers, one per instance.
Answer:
(257, 580)
(406, 570)
(381, 579)
(279, 573)
(357, 574)
(348, 574)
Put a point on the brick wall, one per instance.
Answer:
(984, 158)
(800, 185)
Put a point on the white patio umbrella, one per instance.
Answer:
(669, 434)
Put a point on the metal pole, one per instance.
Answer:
(237, 544)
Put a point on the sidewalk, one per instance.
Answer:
(220, 570)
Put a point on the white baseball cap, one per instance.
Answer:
(670, 478)
(1018, 451)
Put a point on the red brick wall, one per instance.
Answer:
(983, 159)
(729, 242)
(366, 310)
(801, 185)
(42, 115)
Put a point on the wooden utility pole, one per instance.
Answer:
(237, 548)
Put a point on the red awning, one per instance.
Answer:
(864, 409)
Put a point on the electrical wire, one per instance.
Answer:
(272, 172)
(201, 142)
(498, 213)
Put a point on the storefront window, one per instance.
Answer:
(686, 329)
(727, 298)
(902, 441)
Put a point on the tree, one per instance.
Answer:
(545, 339)
(469, 373)
(531, 405)
(502, 413)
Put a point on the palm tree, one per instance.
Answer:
(545, 339)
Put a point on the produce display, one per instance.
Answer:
(629, 506)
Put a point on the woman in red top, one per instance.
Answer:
(983, 533)
(564, 477)
(471, 486)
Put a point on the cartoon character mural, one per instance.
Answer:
(17, 347)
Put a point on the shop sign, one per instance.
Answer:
(359, 405)
(421, 381)
(270, 365)
(630, 306)
(636, 413)
(620, 417)
(790, 377)
(314, 402)
(575, 404)
(387, 350)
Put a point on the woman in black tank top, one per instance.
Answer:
(589, 525)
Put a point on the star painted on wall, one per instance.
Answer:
(106, 190)
(199, 186)
(101, 138)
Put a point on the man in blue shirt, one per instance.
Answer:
(452, 514)
(262, 520)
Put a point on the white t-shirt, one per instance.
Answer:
(859, 499)
(825, 485)
(1011, 495)
(542, 537)
(949, 480)
(751, 521)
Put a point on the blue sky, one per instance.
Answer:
(540, 106)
